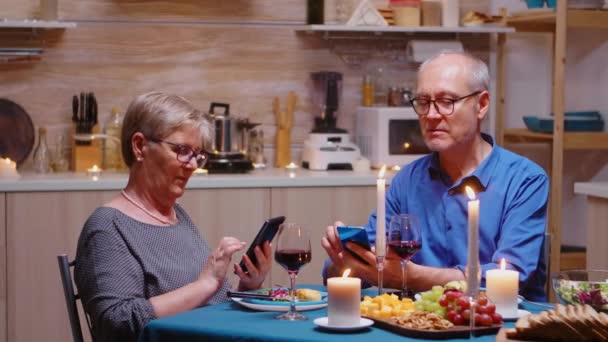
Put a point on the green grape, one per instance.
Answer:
(428, 295)
(433, 307)
(438, 289)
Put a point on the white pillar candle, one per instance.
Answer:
(502, 286)
(344, 296)
(8, 169)
(473, 269)
(381, 214)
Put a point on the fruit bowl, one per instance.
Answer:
(582, 287)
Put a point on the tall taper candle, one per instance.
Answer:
(381, 214)
(473, 271)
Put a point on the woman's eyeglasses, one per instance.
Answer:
(185, 153)
(443, 106)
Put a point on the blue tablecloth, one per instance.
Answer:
(233, 322)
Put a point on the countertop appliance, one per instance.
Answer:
(328, 147)
(389, 135)
(226, 154)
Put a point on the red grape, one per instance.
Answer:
(482, 309)
(463, 302)
(491, 308)
(496, 318)
(482, 300)
(484, 319)
(443, 301)
(458, 319)
(466, 314)
(451, 295)
(478, 319)
(451, 315)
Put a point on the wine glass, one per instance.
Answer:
(404, 239)
(292, 252)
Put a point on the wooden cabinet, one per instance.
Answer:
(557, 23)
(40, 225)
(316, 208)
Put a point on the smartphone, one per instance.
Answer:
(266, 233)
(354, 234)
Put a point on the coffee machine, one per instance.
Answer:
(328, 147)
(226, 154)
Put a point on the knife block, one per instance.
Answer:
(85, 156)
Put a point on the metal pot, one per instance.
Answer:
(226, 137)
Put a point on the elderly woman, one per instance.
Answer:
(140, 256)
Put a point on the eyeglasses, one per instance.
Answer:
(443, 106)
(185, 153)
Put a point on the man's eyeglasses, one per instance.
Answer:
(443, 106)
(185, 154)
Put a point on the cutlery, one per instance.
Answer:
(249, 295)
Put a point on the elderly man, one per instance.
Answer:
(452, 99)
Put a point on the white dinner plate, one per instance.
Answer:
(520, 313)
(274, 307)
(323, 322)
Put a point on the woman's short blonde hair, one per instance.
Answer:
(157, 115)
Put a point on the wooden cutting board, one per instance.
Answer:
(16, 132)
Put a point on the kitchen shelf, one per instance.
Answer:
(572, 140)
(327, 29)
(545, 21)
(557, 23)
(36, 24)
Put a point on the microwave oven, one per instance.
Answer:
(389, 135)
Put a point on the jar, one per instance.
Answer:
(406, 12)
(367, 91)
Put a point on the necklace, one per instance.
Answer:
(163, 220)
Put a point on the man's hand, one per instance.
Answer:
(333, 246)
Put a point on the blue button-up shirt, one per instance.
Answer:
(512, 192)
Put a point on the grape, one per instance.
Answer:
(482, 300)
(450, 296)
(458, 319)
(433, 307)
(463, 302)
(484, 320)
(491, 308)
(496, 318)
(466, 314)
(437, 289)
(443, 301)
(451, 315)
(482, 309)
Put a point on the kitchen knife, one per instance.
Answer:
(94, 108)
(75, 109)
(81, 114)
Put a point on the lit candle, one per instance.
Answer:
(94, 172)
(291, 169)
(381, 214)
(200, 171)
(473, 269)
(344, 296)
(502, 287)
(8, 169)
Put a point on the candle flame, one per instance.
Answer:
(95, 168)
(382, 171)
(346, 273)
(470, 192)
(503, 264)
(291, 165)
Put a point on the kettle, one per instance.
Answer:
(226, 138)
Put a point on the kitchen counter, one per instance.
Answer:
(268, 178)
(596, 217)
(595, 189)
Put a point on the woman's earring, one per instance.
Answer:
(139, 159)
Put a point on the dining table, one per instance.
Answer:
(231, 321)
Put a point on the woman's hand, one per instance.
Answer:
(220, 259)
(256, 274)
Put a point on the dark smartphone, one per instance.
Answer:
(266, 233)
(354, 234)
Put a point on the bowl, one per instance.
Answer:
(582, 287)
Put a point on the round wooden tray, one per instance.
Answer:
(17, 132)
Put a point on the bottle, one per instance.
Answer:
(315, 12)
(42, 154)
(60, 163)
(368, 91)
(112, 156)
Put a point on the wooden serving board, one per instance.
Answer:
(457, 331)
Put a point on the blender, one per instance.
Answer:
(328, 147)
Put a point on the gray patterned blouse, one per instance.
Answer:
(122, 262)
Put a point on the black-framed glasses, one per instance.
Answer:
(185, 153)
(443, 106)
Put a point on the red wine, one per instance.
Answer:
(292, 259)
(405, 249)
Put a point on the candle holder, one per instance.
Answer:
(94, 173)
(380, 267)
(8, 169)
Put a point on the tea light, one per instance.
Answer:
(344, 295)
(200, 171)
(502, 286)
(8, 169)
(291, 168)
(94, 172)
